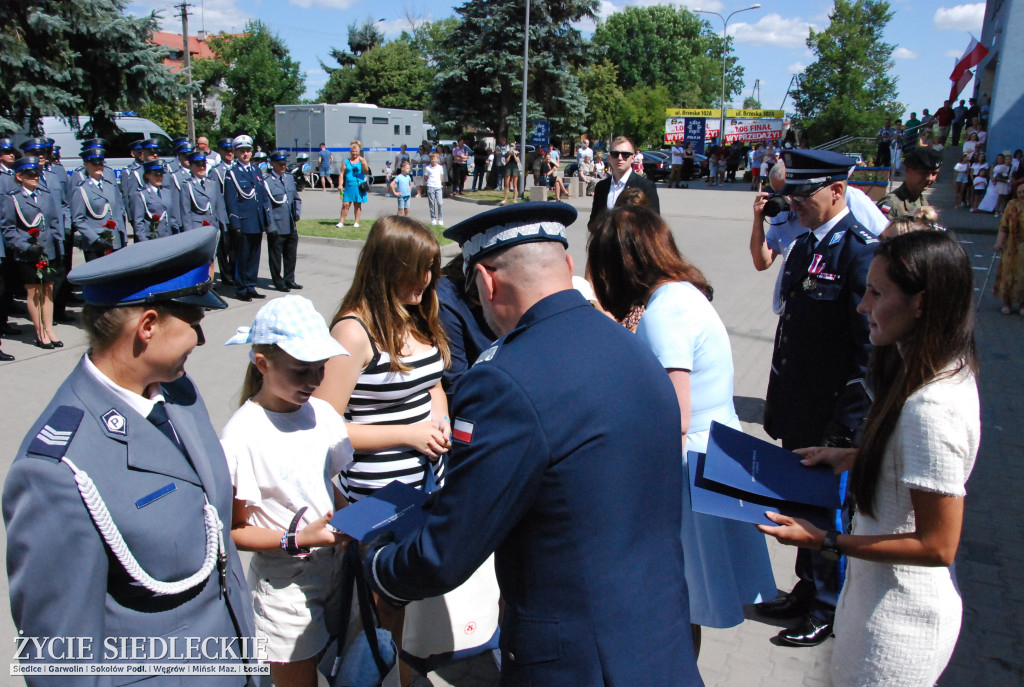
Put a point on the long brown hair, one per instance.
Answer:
(398, 252)
(253, 381)
(933, 264)
(631, 250)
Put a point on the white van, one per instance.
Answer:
(118, 155)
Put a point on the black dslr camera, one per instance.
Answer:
(775, 204)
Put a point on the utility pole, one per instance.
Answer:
(189, 105)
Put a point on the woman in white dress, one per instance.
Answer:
(633, 262)
(899, 613)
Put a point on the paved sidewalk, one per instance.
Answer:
(712, 228)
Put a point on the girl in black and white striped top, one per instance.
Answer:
(389, 388)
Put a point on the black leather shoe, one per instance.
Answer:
(282, 287)
(293, 285)
(45, 346)
(253, 293)
(783, 607)
(5, 357)
(243, 296)
(57, 344)
(809, 632)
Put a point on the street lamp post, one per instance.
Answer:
(725, 39)
(522, 124)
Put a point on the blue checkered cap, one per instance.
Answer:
(295, 326)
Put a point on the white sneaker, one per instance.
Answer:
(440, 222)
(340, 225)
(355, 225)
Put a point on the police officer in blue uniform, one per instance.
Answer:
(148, 150)
(80, 173)
(565, 463)
(202, 203)
(285, 211)
(248, 208)
(816, 392)
(97, 211)
(118, 505)
(226, 247)
(176, 145)
(154, 211)
(7, 155)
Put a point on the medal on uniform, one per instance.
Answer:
(810, 284)
(816, 266)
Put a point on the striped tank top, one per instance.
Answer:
(383, 397)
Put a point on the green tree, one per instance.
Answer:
(751, 103)
(362, 38)
(670, 46)
(848, 89)
(258, 74)
(75, 57)
(605, 101)
(391, 75)
(643, 118)
(481, 82)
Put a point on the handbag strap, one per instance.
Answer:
(367, 609)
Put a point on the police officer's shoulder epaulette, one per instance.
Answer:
(487, 354)
(863, 235)
(57, 431)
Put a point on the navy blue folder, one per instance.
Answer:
(395, 508)
(740, 477)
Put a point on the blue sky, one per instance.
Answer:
(770, 41)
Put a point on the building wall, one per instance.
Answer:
(1002, 75)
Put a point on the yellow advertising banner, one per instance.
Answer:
(755, 114)
(693, 112)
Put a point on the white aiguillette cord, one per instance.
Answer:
(101, 516)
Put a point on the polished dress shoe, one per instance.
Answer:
(243, 296)
(783, 607)
(45, 346)
(57, 344)
(282, 287)
(253, 293)
(5, 357)
(293, 285)
(810, 631)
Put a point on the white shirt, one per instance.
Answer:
(140, 404)
(616, 188)
(822, 231)
(583, 152)
(434, 175)
(280, 462)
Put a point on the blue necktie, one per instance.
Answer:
(158, 417)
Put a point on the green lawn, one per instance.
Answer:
(326, 227)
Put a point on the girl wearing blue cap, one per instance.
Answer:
(30, 220)
(283, 449)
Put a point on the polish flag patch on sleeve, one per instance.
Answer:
(462, 430)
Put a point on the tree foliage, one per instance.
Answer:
(606, 101)
(479, 82)
(848, 90)
(389, 75)
(672, 47)
(258, 73)
(75, 57)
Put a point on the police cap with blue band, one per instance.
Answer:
(92, 143)
(183, 148)
(224, 144)
(509, 226)
(156, 166)
(278, 156)
(6, 145)
(136, 145)
(196, 157)
(178, 141)
(95, 155)
(149, 144)
(29, 163)
(34, 144)
(809, 170)
(171, 269)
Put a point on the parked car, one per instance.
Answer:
(657, 164)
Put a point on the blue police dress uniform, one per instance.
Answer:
(247, 205)
(131, 181)
(816, 387)
(79, 175)
(19, 212)
(64, 580)
(148, 203)
(467, 331)
(226, 246)
(282, 235)
(565, 461)
(202, 204)
(91, 209)
(7, 181)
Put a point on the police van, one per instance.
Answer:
(69, 137)
(300, 129)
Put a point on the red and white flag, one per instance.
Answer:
(973, 56)
(958, 86)
(462, 430)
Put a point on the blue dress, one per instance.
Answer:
(727, 562)
(353, 176)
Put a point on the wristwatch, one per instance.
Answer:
(830, 546)
(288, 541)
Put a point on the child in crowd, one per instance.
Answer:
(713, 169)
(387, 176)
(961, 180)
(283, 449)
(401, 186)
(434, 174)
(980, 186)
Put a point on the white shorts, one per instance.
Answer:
(293, 599)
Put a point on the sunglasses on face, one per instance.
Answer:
(624, 154)
(805, 196)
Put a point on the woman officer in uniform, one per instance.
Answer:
(118, 505)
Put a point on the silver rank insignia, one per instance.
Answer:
(810, 284)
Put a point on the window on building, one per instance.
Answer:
(380, 120)
(352, 119)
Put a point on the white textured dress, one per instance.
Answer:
(896, 625)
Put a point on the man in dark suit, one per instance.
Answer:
(594, 593)
(607, 191)
(816, 392)
(285, 210)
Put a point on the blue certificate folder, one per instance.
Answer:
(395, 508)
(740, 477)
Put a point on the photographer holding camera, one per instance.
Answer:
(784, 227)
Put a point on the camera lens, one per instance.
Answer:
(775, 205)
